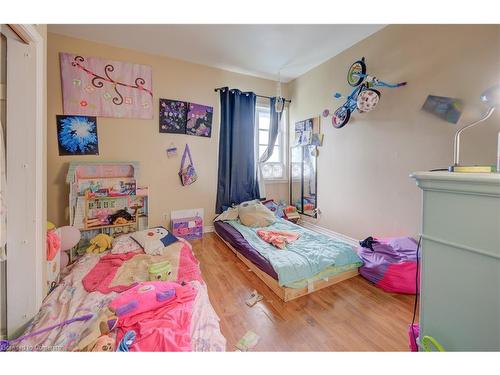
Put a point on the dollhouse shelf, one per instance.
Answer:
(114, 197)
(109, 226)
(97, 227)
(83, 177)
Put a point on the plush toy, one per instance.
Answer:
(104, 323)
(100, 243)
(104, 344)
(120, 221)
(120, 213)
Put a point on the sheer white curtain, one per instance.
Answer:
(274, 126)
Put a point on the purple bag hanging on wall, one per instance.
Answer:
(187, 174)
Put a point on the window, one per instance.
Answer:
(274, 167)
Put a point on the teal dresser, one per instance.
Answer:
(460, 284)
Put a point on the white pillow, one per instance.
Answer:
(230, 214)
(153, 240)
(255, 214)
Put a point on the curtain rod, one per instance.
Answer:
(260, 96)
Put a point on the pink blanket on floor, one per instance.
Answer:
(278, 239)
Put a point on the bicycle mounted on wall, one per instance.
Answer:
(363, 98)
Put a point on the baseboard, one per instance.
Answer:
(329, 233)
(208, 229)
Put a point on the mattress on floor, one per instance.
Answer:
(232, 236)
(70, 299)
(238, 242)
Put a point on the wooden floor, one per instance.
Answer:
(350, 316)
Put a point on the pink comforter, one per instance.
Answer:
(70, 300)
(161, 324)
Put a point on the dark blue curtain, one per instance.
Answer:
(237, 177)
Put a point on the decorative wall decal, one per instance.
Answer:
(173, 116)
(77, 135)
(107, 88)
(305, 131)
(172, 150)
(199, 120)
(448, 109)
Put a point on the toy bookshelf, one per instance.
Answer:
(106, 198)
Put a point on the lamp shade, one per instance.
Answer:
(491, 96)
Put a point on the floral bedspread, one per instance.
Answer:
(70, 300)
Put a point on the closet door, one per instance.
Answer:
(3, 234)
(25, 238)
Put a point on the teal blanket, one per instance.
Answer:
(304, 258)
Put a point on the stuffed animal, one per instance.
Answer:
(104, 344)
(103, 324)
(100, 243)
(120, 213)
(120, 221)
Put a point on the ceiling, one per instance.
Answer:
(266, 51)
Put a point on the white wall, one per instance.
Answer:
(363, 168)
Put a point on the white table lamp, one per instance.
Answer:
(491, 97)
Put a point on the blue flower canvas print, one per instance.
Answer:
(77, 135)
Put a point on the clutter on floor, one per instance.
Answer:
(248, 341)
(254, 298)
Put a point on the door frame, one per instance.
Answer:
(22, 308)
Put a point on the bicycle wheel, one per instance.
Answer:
(341, 117)
(367, 100)
(357, 67)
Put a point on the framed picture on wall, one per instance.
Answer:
(77, 135)
(93, 86)
(180, 117)
(173, 116)
(447, 109)
(305, 131)
(199, 120)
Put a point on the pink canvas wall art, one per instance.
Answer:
(106, 88)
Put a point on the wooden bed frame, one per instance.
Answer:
(285, 293)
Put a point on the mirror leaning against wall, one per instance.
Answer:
(303, 167)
